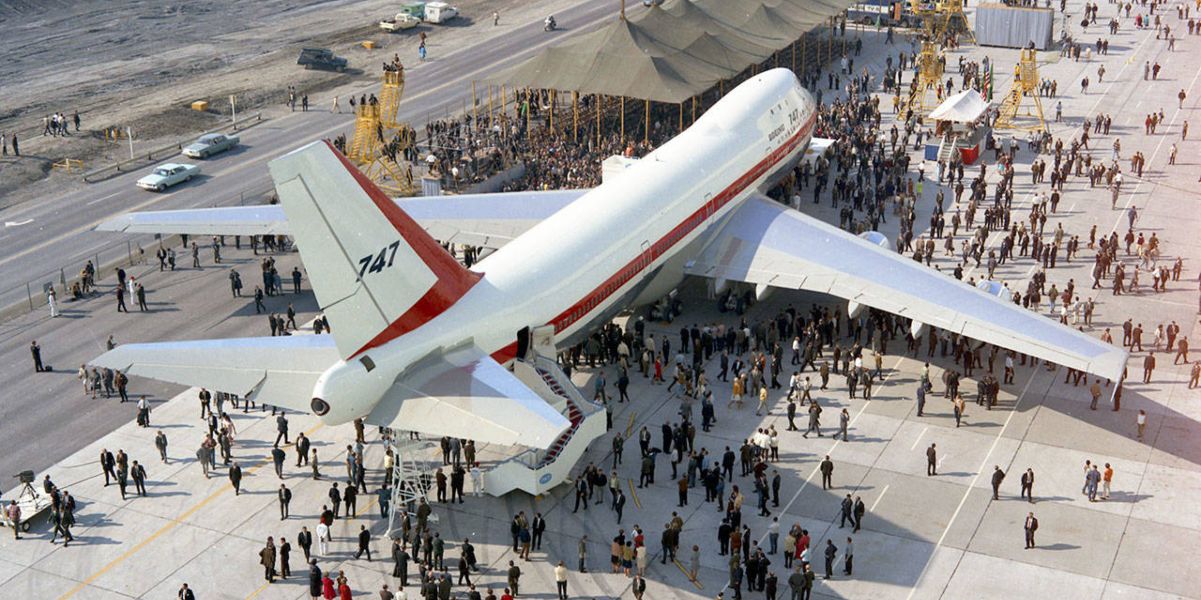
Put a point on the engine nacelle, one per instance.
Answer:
(917, 329)
(348, 390)
(762, 290)
(853, 309)
(719, 285)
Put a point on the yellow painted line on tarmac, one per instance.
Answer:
(164, 529)
(630, 426)
(685, 572)
(258, 591)
(634, 494)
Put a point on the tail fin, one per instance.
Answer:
(376, 273)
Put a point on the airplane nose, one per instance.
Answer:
(320, 407)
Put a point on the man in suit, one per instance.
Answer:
(997, 477)
(138, 473)
(1028, 485)
(235, 478)
(302, 449)
(848, 508)
(1030, 526)
(281, 428)
(107, 464)
(304, 539)
(931, 460)
(285, 497)
(1148, 367)
(539, 526)
(827, 469)
(36, 351)
(335, 498)
(400, 563)
(364, 543)
(860, 510)
(277, 458)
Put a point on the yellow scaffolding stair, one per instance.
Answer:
(379, 138)
(1025, 84)
(929, 76)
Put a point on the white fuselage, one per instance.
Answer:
(621, 242)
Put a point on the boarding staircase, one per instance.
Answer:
(946, 149)
(536, 471)
(1008, 110)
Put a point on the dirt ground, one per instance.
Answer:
(141, 63)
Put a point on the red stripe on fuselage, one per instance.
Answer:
(453, 280)
(597, 296)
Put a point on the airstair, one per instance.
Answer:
(536, 471)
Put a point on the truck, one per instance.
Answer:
(439, 12)
(400, 22)
(321, 58)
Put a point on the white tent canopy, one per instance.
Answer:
(964, 107)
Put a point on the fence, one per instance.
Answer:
(121, 253)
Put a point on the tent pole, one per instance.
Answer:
(646, 130)
(804, 44)
(623, 122)
(623, 10)
(694, 109)
(599, 105)
(528, 110)
(554, 97)
(475, 102)
(490, 121)
(575, 117)
(681, 116)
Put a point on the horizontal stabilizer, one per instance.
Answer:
(233, 220)
(280, 370)
(465, 393)
(488, 220)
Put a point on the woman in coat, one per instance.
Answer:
(327, 588)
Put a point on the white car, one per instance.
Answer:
(210, 144)
(167, 175)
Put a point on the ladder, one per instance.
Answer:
(364, 144)
(390, 95)
(1008, 109)
(412, 474)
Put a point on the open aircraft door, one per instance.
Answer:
(543, 341)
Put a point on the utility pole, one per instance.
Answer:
(233, 107)
(129, 135)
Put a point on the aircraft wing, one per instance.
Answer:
(489, 220)
(465, 393)
(280, 371)
(766, 243)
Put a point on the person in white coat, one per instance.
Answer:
(323, 539)
(52, 300)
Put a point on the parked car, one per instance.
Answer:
(401, 22)
(321, 58)
(167, 175)
(210, 144)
